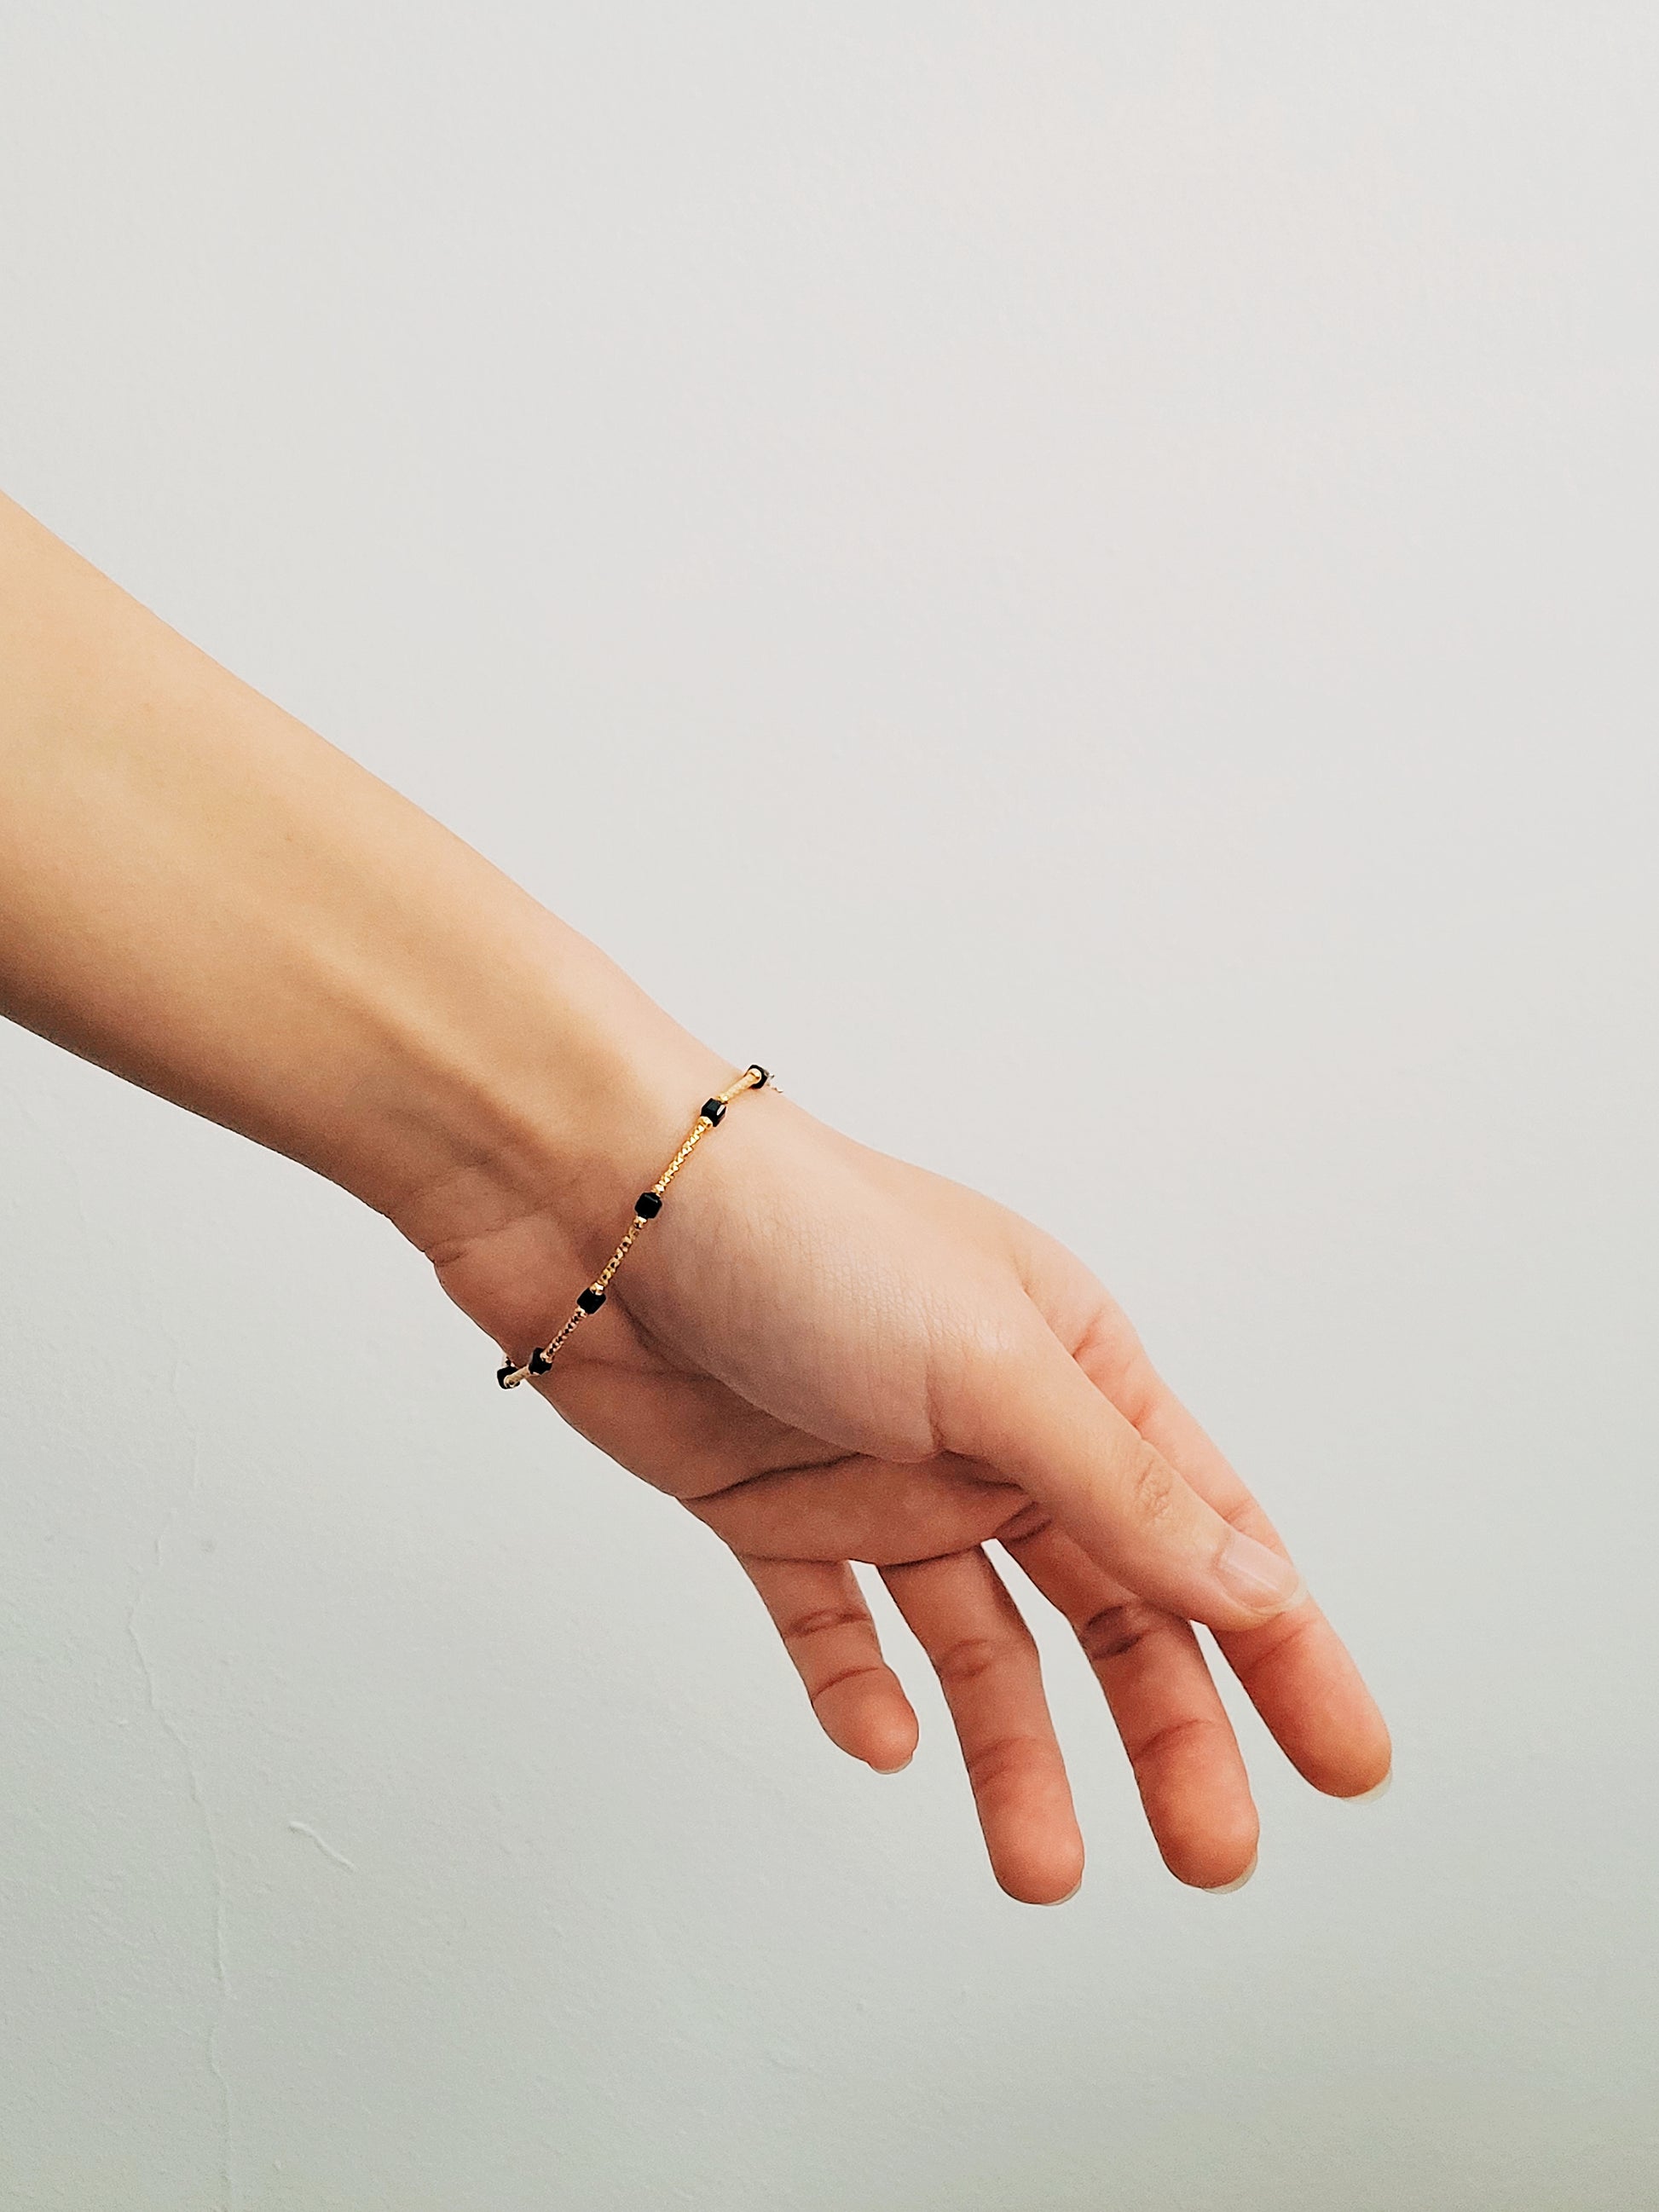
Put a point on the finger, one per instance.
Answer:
(1032, 1412)
(986, 1659)
(1296, 1670)
(820, 1611)
(1169, 1714)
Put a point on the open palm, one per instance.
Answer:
(829, 1355)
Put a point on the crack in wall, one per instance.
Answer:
(305, 1828)
(143, 1586)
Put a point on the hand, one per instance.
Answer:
(827, 1355)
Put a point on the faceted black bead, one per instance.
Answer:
(506, 1376)
(649, 1205)
(538, 1362)
(763, 1075)
(713, 1109)
(589, 1300)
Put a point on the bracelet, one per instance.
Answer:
(647, 1207)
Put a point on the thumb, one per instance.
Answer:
(1029, 1410)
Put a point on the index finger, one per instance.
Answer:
(1296, 1670)
(1027, 1408)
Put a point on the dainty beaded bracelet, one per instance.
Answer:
(647, 1207)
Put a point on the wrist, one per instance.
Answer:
(564, 1080)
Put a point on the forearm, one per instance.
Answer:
(827, 1354)
(204, 896)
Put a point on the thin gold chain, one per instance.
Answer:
(647, 1207)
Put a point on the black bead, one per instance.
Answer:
(649, 1205)
(589, 1300)
(507, 1376)
(538, 1362)
(763, 1075)
(713, 1109)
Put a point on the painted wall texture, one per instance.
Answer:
(1121, 539)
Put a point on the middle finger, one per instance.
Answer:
(986, 1658)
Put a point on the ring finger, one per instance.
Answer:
(1168, 1712)
(961, 1613)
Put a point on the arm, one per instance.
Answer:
(201, 894)
(826, 1354)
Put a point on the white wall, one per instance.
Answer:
(1114, 545)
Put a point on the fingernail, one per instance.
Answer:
(1226, 1888)
(1259, 1578)
(1377, 1790)
(1049, 1904)
(899, 1769)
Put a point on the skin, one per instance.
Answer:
(826, 1354)
(950, 1378)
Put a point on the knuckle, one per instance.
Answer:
(1153, 1491)
(1115, 1630)
(1182, 1734)
(862, 1668)
(822, 1620)
(969, 1658)
(991, 1764)
(1030, 1520)
(1270, 1643)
